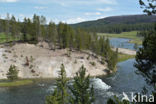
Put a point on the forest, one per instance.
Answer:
(118, 24)
(59, 36)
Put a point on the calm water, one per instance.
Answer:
(122, 43)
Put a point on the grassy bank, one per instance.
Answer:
(124, 57)
(129, 35)
(15, 83)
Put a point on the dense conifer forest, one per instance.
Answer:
(118, 24)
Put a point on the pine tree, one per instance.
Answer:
(71, 38)
(12, 73)
(52, 99)
(62, 86)
(60, 95)
(117, 101)
(42, 27)
(79, 39)
(60, 34)
(52, 35)
(81, 91)
(149, 6)
(146, 57)
(36, 25)
(7, 26)
(24, 30)
(14, 27)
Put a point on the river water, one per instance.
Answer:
(122, 43)
(127, 79)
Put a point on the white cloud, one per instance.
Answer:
(94, 13)
(101, 17)
(76, 2)
(40, 7)
(108, 1)
(74, 20)
(107, 9)
(9, 1)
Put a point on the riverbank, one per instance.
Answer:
(7, 83)
(125, 51)
(38, 61)
(124, 57)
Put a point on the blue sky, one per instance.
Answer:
(69, 11)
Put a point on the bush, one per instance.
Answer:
(88, 57)
(93, 63)
(13, 73)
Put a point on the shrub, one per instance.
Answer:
(93, 63)
(102, 61)
(12, 73)
(33, 71)
(88, 57)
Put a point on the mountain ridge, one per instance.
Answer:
(122, 23)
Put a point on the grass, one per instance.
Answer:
(124, 57)
(7, 38)
(129, 35)
(15, 83)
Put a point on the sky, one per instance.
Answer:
(69, 11)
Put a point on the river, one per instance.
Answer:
(123, 43)
(127, 79)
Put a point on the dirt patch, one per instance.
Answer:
(35, 61)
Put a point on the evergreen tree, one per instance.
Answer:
(24, 30)
(81, 91)
(7, 26)
(42, 26)
(71, 38)
(52, 35)
(60, 95)
(36, 25)
(149, 6)
(12, 73)
(14, 27)
(78, 39)
(60, 34)
(117, 101)
(145, 57)
(52, 99)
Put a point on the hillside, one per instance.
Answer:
(119, 24)
(45, 63)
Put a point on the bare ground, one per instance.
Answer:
(45, 63)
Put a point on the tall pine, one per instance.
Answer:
(81, 91)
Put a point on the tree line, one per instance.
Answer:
(118, 28)
(58, 36)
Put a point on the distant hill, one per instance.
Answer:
(119, 23)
